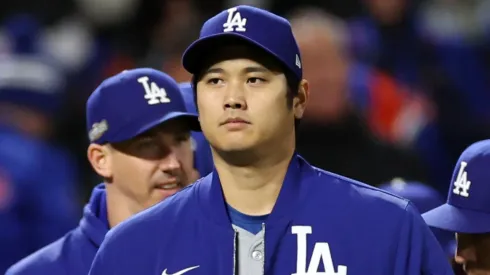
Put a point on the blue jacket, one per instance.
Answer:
(37, 195)
(318, 216)
(73, 253)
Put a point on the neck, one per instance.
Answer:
(253, 189)
(119, 207)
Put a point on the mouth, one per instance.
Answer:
(168, 186)
(235, 120)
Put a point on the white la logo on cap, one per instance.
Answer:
(234, 22)
(462, 184)
(153, 93)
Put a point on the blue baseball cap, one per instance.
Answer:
(132, 102)
(467, 209)
(29, 77)
(251, 25)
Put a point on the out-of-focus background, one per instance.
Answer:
(398, 89)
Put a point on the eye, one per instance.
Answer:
(146, 143)
(255, 80)
(183, 137)
(214, 81)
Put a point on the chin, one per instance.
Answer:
(235, 146)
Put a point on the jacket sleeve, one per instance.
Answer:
(418, 251)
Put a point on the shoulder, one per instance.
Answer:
(356, 195)
(47, 260)
(176, 211)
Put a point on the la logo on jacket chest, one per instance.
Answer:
(321, 254)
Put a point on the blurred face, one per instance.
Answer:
(242, 103)
(326, 68)
(387, 12)
(150, 167)
(473, 252)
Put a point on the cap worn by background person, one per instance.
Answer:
(28, 76)
(132, 102)
(467, 209)
(258, 27)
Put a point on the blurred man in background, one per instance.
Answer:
(139, 131)
(38, 179)
(467, 209)
(333, 135)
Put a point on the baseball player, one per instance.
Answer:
(139, 133)
(467, 209)
(264, 209)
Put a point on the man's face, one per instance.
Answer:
(242, 103)
(153, 166)
(387, 12)
(473, 252)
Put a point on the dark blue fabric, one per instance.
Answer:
(73, 253)
(37, 195)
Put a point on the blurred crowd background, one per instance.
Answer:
(398, 89)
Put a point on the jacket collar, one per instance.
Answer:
(94, 223)
(213, 204)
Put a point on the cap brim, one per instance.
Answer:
(451, 218)
(190, 119)
(193, 56)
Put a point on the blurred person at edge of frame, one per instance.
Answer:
(38, 179)
(143, 156)
(333, 131)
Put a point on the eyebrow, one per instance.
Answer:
(252, 69)
(256, 69)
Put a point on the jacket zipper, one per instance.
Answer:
(263, 244)
(235, 242)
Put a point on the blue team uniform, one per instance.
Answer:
(318, 216)
(38, 180)
(37, 190)
(72, 254)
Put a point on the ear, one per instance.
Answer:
(99, 157)
(300, 101)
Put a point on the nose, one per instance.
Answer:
(171, 163)
(235, 99)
